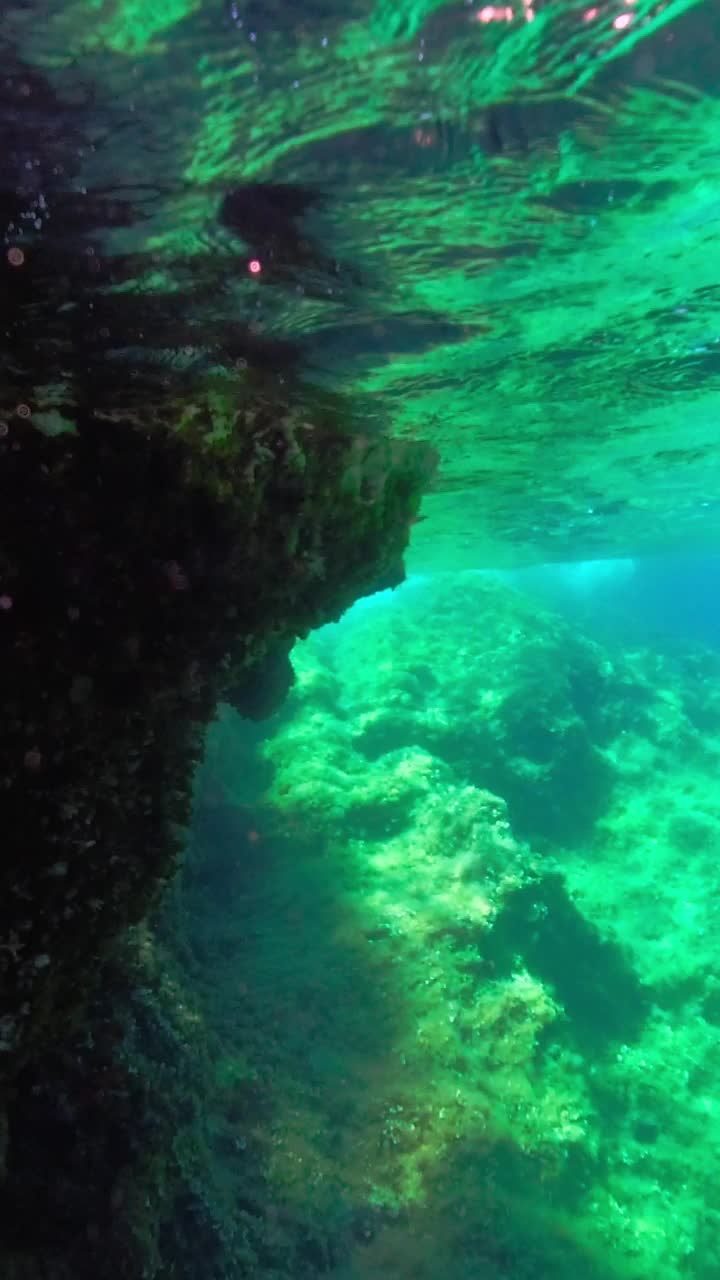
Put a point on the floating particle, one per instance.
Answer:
(424, 137)
(15, 256)
(6, 602)
(23, 411)
(176, 576)
(33, 759)
(254, 266)
(4, 428)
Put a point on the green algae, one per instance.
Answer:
(522, 1077)
(389, 1035)
(106, 718)
(161, 555)
(105, 713)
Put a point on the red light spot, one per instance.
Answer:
(590, 14)
(254, 837)
(494, 13)
(254, 266)
(424, 137)
(33, 760)
(176, 576)
(15, 257)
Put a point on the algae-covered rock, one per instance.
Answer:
(144, 577)
(174, 511)
(110, 1169)
(489, 684)
(401, 1030)
(461, 1046)
(545, 1011)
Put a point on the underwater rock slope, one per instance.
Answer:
(388, 1021)
(142, 579)
(506, 1044)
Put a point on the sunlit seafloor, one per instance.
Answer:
(459, 914)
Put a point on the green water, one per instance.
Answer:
(348, 931)
(474, 909)
(513, 254)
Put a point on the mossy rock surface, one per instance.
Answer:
(143, 579)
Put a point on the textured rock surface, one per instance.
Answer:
(175, 508)
(144, 580)
(484, 265)
(371, 1030)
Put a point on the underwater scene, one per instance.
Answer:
(360, 639)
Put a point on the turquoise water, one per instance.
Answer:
(359, 640)
(476, 927)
